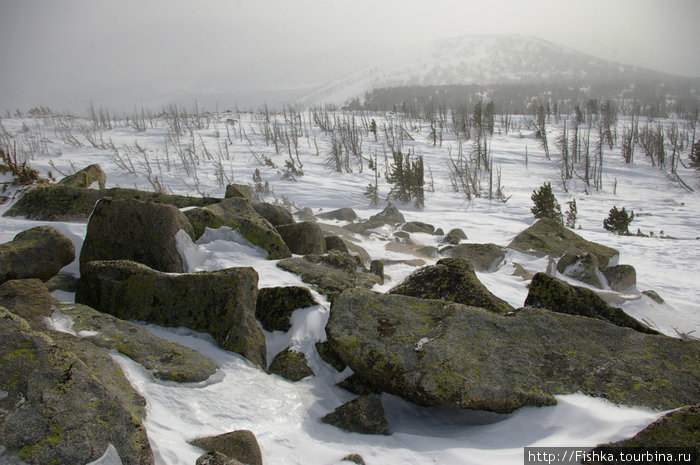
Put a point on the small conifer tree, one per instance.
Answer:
(545, 204)
(618, 221)
(695, 155)
(571, 214)
(407, 178)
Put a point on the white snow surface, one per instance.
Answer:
(284, 415)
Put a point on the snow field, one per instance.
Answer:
(285, 415)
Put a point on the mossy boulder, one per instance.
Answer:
(521, 272)
(239, 190)
(451, 279)
(166, 360)
(86, 177)
(239, 215)
(275, 214)
(290, 364)
(418, 227)
(354, 458)
(581, 267)
(434, 352)
(55, 202)
(342, 261)
(127, 229)
(275, 305)
(240, 445)
(549, 237)
(38, 252)
(220, 303)
(29, 299)
(621, 277)
(559, 296)
(653, 295)
(336, 243)
(55, 409)
(303, 238)
(484, 257)
(376, 267)
(680, 428)
(364, 415)
(455, 236)
(329, 274)
(389, 216)
(341, 214)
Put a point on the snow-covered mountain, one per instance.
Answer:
(477, 59)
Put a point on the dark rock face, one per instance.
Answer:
(330, 274)
(418, 227)
(239, 190)
(441, 353)
(680, 428)
(455, 236)
(238, 214)
(291, 365)
(39, 252)
(341, 214)
(358, 385)
(216, 458)
(620, 277)
(86, 177)
(56, 409)
(275, 305)
(220, 303)
(484, 257)
(363, 415)
(329, 356)
(558, 296)
(303, 238)
(134, 230)
(240, 445)
(66, 203)
(581, 267)
(275, 214)
(548, 237)
(451, 279)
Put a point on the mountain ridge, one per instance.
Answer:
(483, 60)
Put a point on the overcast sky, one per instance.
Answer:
(62, 53)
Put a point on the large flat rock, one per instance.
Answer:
(548, 237)
(439, 353)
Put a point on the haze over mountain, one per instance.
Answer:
(482, 59)
(127, 54)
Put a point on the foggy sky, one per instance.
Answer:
(126, 53)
